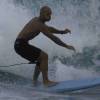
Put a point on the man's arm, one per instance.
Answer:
(52, 30)
(58, 41)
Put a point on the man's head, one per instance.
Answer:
(45, 13)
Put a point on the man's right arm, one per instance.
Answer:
(58, 41)
(46, 32)
(52, 30)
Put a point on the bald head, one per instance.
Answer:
(45, 9)
(45, 13)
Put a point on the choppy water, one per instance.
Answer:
(14, 87)
(81, 16)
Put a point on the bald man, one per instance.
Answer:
(34, 54)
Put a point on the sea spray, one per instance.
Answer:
(81, 17)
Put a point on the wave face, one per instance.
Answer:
(80, 16)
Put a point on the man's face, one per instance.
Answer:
(47, 16)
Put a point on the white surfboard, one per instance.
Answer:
(63, 86)
(72, 85)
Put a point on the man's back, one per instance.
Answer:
(30, 30)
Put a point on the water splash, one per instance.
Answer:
(64, 72)
(81, 16)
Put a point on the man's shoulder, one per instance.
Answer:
(38, 23)
(36, 20)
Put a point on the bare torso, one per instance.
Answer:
(36, 25)
(30, 30)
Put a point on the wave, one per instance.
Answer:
(81, 16)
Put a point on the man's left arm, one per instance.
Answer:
(56, 31)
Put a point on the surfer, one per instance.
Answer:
(34, 54)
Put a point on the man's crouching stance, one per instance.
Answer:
(32, 53)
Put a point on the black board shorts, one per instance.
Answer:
(27, 51)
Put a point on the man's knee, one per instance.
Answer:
(43, 56)
(43, 61)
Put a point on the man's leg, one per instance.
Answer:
(44, 68)
(36, 73)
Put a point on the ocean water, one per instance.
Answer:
(81, 17)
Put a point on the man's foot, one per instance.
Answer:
(50, 83)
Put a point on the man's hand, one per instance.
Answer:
(66, 31)
(71, 47)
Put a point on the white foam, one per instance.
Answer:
(64, 72)
(13, 18)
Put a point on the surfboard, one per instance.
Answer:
(72, 85)
(60, 87)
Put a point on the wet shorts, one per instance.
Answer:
(27, 51)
